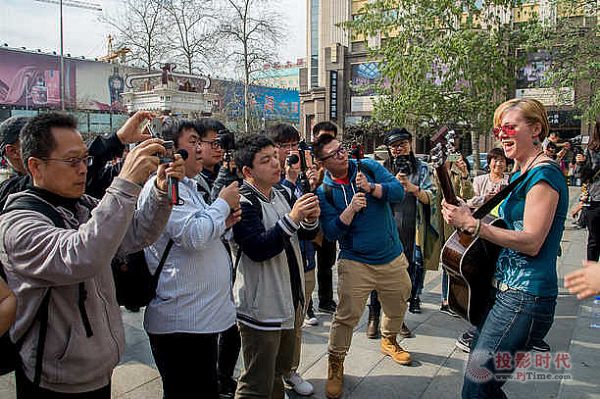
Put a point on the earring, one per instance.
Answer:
(536, 141)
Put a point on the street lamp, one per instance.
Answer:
(75, 4)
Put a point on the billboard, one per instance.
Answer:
(267, 102)
(33, 80)
(531, 82)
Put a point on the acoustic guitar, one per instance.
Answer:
(469, 261)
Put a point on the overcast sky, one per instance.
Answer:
(32, 24)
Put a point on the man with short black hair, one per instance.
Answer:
(269, 289)
(326, 127)
(357, 212)
(10, 146)
(193, 302)
(57, 256)
(212, 153)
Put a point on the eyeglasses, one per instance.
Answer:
(88, 160)
(508, 130)
(289, 146)
(214, 144)
(339, 153)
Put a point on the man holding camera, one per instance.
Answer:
(269, 288)
(193, 299)
(414, 177)
(69, 325)
(357, 211)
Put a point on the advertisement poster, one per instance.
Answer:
(364, 77)
(267, 102)
(33, 80)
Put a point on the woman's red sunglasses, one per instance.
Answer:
(508, 130)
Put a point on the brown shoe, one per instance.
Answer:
(390, 347)
(405, 332)
(373, 325)
(335, 377)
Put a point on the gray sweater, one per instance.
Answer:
(38, 256)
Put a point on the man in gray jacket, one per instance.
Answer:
(68, 269)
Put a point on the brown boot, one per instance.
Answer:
(390, 347)
(373, 325)
(335, 377)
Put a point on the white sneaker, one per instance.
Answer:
(311, 321)
(299, 385)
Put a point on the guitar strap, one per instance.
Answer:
(496, 199)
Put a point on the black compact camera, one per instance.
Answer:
(226, 140)
(155, 128)
(402, 164)
(576, 147)
(169, 155)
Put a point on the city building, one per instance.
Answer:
(336, 83)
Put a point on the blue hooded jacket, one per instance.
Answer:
(372, 237)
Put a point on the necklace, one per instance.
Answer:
(530, 164)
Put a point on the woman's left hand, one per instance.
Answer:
(459, 216)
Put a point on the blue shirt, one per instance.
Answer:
(535, 275)
(194, 288)
(372, 237)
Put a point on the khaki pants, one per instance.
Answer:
(355, 282)
(268, 356)
(309, 287)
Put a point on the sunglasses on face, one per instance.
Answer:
(506, 130)
(337, 153)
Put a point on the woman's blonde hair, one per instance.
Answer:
(533, 112)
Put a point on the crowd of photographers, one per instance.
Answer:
(241, 234)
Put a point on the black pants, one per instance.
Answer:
(27, 390)
(593, 225)
(325, 261)
(229, 350)
(187, 363)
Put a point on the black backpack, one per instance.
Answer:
(9, 349)
(134, 284)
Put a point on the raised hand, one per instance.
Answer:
(131, 132)
(304, 207)
(231, 195)
(142, 161)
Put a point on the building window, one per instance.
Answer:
(314, 43)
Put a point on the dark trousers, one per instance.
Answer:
(186, 362)
(593, 225)
(27, 390)
(229, 350)
(325, 260)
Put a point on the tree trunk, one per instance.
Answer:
(475, 147)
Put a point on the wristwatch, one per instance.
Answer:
(371, 187)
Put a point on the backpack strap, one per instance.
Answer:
(33, 203)
(161, 264)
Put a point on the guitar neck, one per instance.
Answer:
(446, 185)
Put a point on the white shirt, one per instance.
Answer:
(194, 289)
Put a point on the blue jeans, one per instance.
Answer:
(515, 320)
(445, 286)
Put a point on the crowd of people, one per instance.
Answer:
(241, 235)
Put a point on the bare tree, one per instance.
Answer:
(142, 27)
(253, 31)
(192, 26)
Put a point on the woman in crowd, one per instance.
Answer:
(525, 278)
(590, 172)
(486, 186)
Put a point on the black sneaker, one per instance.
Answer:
(227, 387)
(415, 306)
(446, 309)
(328, 307)
(464, 342)
(541, 346)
